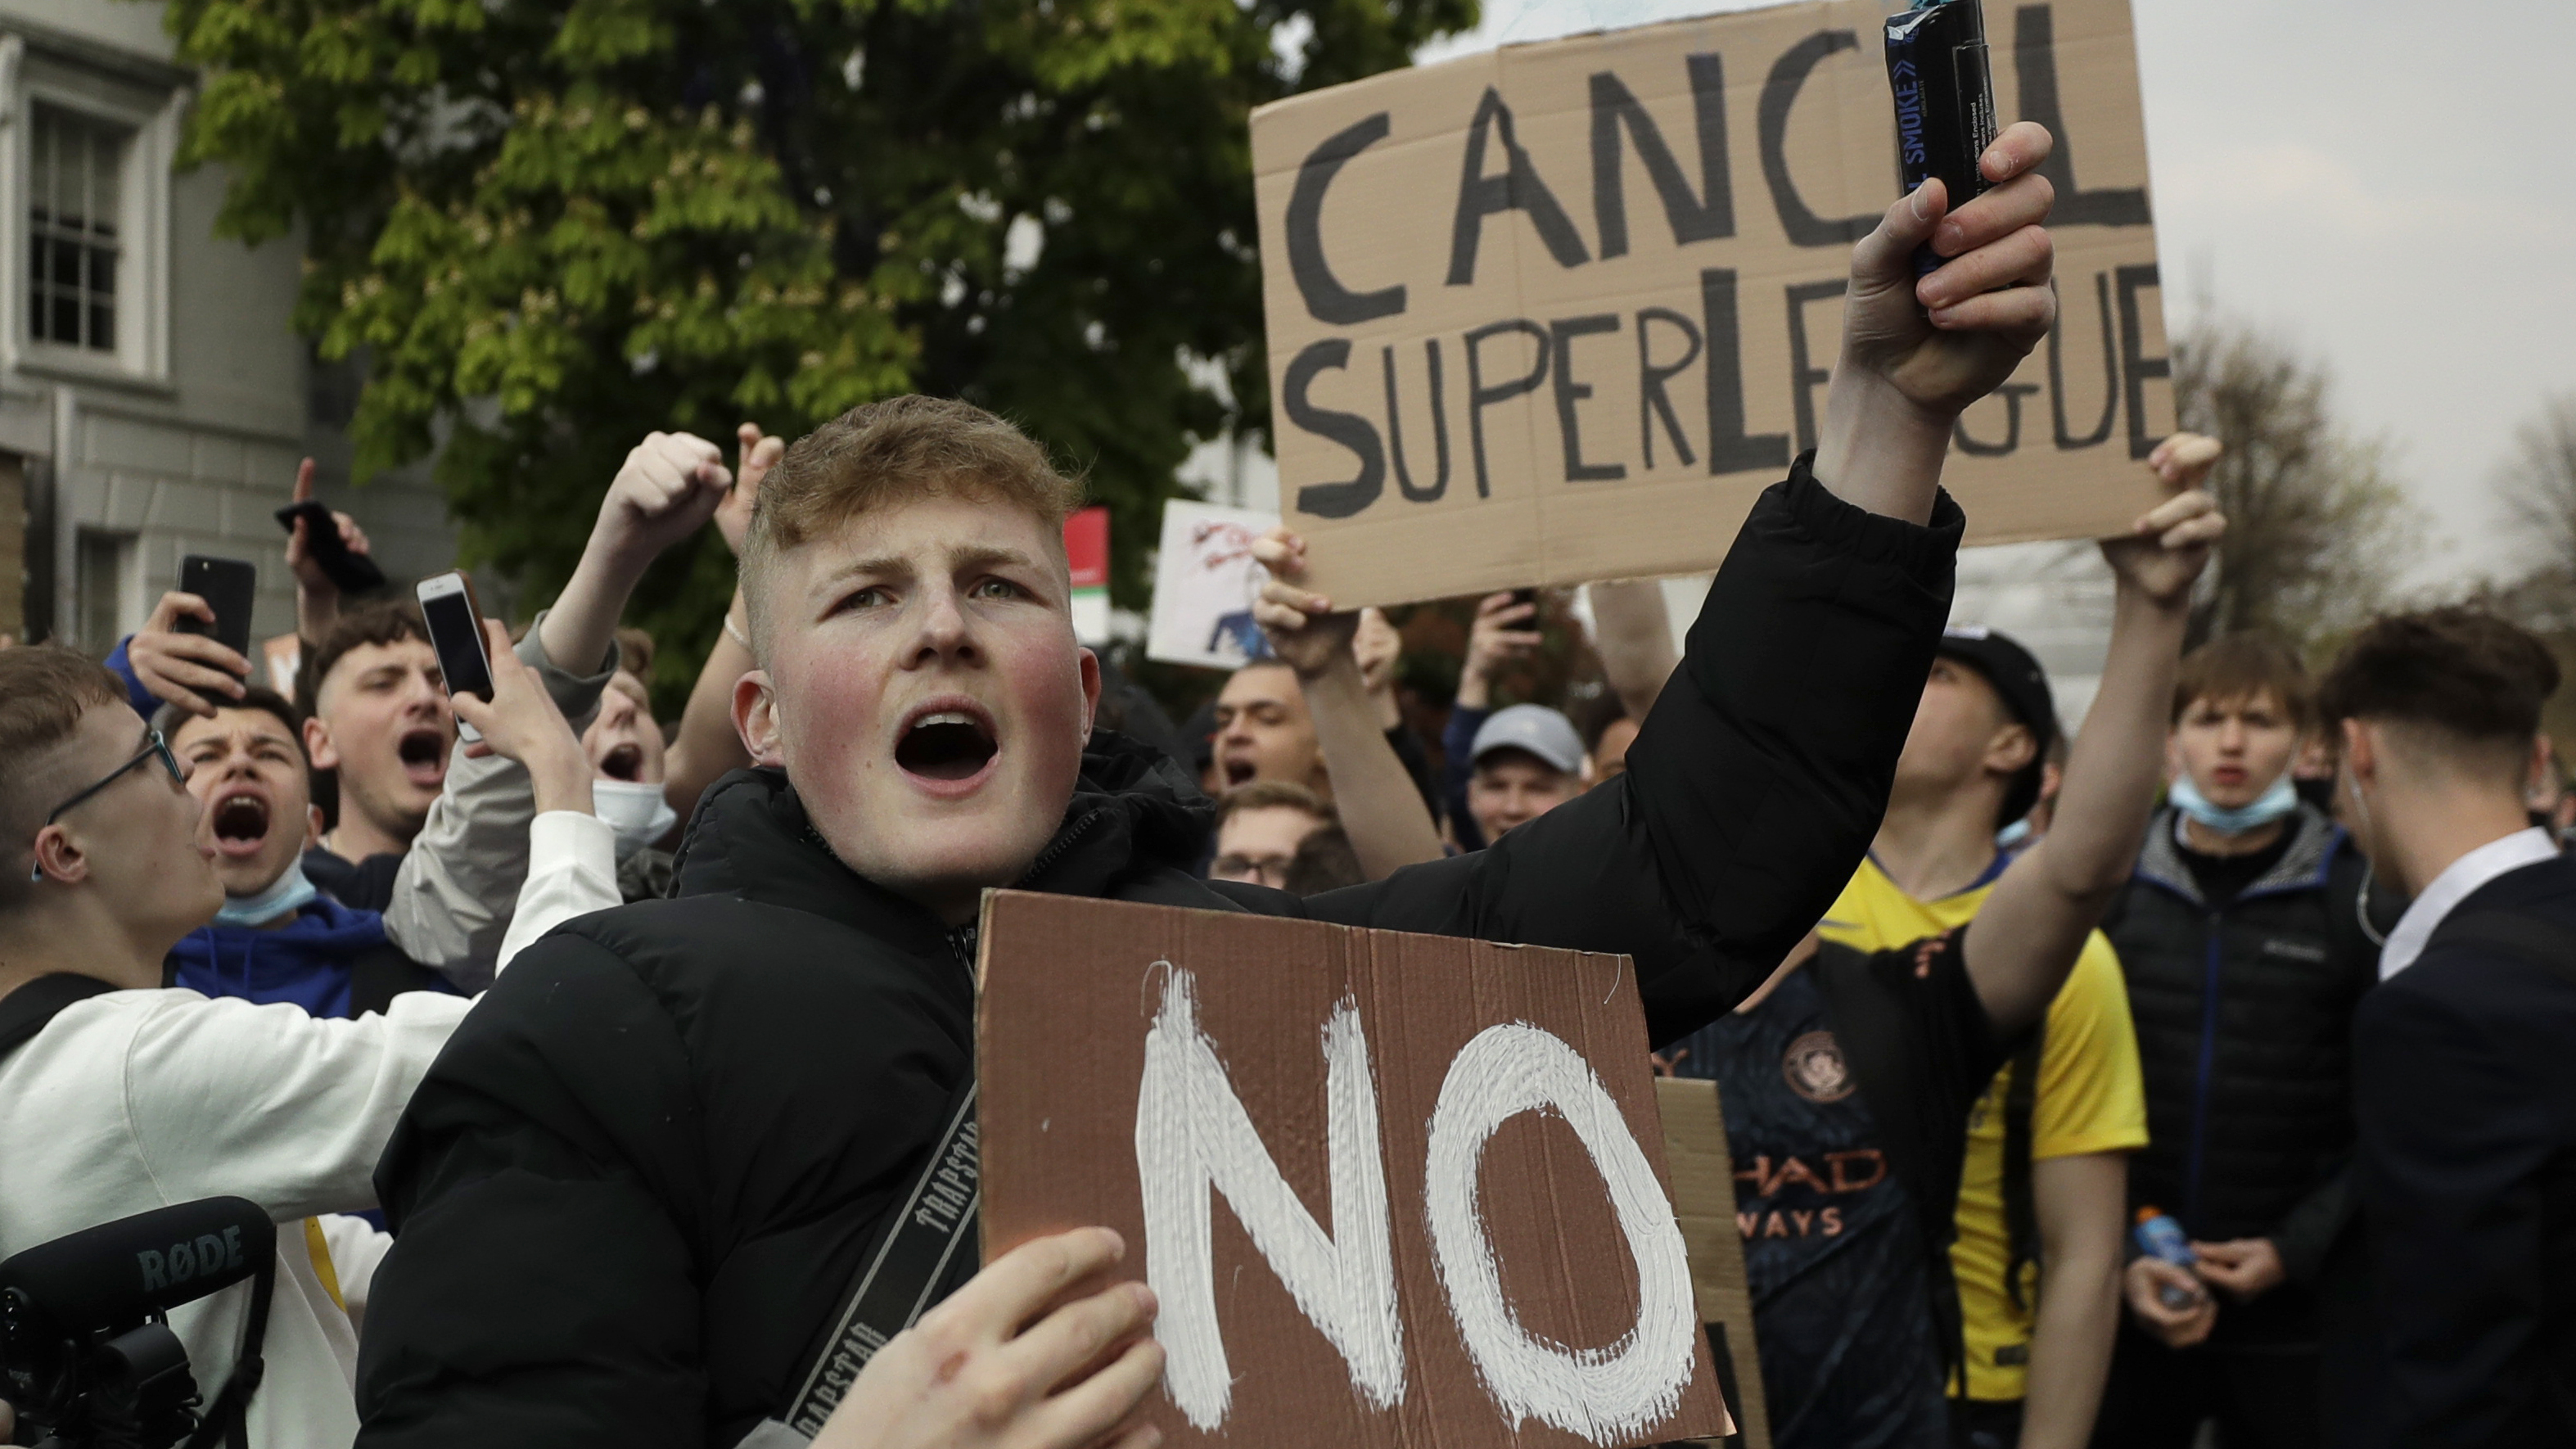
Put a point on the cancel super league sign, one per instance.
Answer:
(1391, 1190)
(1559, 312)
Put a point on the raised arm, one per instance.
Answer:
(317, 599)
(1755, 785)
(1374, 794)
(2030, 929)
(668, 489)
(1917, 352)
(1633, 633)
(707, 747)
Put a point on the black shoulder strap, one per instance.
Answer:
(29, 1009)
(228, 1417)
(916, 1258)
(2525, 938)
(383, 972)
(2021, 1211)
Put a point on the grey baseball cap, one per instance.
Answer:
(1533, 727)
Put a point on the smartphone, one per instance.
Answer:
(456, 633)
(350, 573)
(228, 585)
(1945, 102)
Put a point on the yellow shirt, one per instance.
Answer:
(2090, 1099)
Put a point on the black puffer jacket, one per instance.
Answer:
(646, 1167)
(2244, 1018)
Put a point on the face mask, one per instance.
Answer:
(285, 895)
(2276, 802)
(2012, 836)
(637, 812)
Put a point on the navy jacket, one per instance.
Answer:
(2464, 1072)
(331, 960)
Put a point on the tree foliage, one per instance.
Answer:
(2313, 519)
(546, 229)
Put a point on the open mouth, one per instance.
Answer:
(626, 762)
(424, 756)
(949, 745)
(240, 824)
(1237, 772)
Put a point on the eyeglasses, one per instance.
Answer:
(154, 747)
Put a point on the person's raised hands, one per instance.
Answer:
(2166, 549)
(671, 484)
(192, 671)
(759, 454)
(520, 722)
(1303, 629)
(2175, 1327)
(1008, 1362)
(299, 548)
(1506, 628)
(1950, 338)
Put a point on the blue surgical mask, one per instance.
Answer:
(2274, 804)
(2014, 836)
(286, 895)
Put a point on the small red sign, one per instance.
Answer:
(1086, 547)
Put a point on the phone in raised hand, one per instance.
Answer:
(1945, 102)
(456, 634)
(229, 586)
(350, 573)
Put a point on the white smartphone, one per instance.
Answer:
(456, 632)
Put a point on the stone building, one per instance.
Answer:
(154, 401)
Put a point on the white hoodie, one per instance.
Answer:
(133, 1100)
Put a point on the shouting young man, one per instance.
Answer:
(642, 1178)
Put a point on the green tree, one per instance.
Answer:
(543, 230)
(2314, 521)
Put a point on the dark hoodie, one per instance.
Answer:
(331, 960)
(646, 1168)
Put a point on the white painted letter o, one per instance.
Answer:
(1602, 1394)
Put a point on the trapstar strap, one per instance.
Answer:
(937, 1220)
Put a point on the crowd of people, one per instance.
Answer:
(2206, 1067)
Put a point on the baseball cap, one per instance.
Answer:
(1535, 728)
(2023, 686)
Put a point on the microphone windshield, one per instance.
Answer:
(113, 1276)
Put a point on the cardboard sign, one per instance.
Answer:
(1391, 1190)
(1559, 312)
(1703, 1174)
(1086, 552)
(1205, 582)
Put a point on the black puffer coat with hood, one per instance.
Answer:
(637, 1182)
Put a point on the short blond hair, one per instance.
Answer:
(889, 453)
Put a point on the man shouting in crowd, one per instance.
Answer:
(639, 1182)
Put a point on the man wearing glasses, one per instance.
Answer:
(118, 1096)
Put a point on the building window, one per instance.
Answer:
(108, 586)
(76, 180)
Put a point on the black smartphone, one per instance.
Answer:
(1945, 101)
(1526, 596)
(350, 573)
(456, 635)
(229, 586)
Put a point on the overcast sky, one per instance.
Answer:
(2384, 185)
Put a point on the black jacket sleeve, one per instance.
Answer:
(2454, 1138)
(539, 1292)
(1755, 785)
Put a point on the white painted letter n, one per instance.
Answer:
(1192, 1133)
